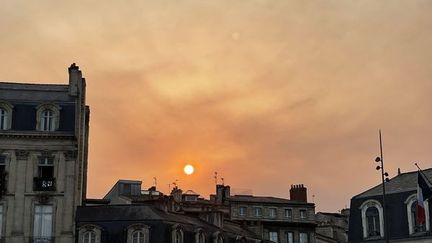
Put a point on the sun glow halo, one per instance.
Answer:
(188, 169)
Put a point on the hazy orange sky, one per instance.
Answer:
(266, 93)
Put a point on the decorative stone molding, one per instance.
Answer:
(43, 198)
(21, 154)
(70, 154)
(138, 229)
(8, 108)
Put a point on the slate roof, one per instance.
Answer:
(261, 199)
(401, 183)
(112, 213)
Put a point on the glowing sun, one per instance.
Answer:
(188, 169)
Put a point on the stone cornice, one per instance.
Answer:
(37, 135)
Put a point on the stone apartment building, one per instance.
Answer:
(276, 219)
(43, 159)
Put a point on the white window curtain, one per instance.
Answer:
(43, 222)
(303, 238)
(273, 236)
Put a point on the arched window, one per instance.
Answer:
(372, 219)
(218, 238)
(89, 234)
(138, 233)
(413, 225)
(177, 234)
(200, 236)
(138, 237)
(89, 237)
(47, 120)
(48, 117)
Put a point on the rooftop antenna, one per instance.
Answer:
(169, 187)
(154, 181)
(313, 198)
(380, 159)
(215, 177)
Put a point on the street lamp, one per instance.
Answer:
(384, 178)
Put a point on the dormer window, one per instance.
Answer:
(47, 120)
(48, 117)
(5, 116)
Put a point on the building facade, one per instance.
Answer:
(332, 227)
(43, 159)
(366, 222)
(279, 220)
(129, 214)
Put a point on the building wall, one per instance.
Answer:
(280, 224)
(23, 144)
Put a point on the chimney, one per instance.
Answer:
(222, 193)
(75, 80)
(298, 193)
(176, 193)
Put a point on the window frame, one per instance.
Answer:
(200, 235)
(411, 221)
(138, 228)
(365, 205)
(256, 209)
(54, 123)
(290, 215)
(300, 237)
(305, 216)
(6, 124)
(82, 230)
(37, 232)
(272, 233)
(273, 209)
(244, 214)
(287, 233)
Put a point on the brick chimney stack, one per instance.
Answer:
(298, 193)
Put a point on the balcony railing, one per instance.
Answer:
(42, 240)
(44, 184)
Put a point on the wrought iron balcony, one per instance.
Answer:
(44, 184)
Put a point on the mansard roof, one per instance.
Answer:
(401, 183)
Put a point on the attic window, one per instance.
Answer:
(48, 117)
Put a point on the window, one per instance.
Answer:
(258, 212)
(219, 238)
(3, 119)
(373, 222)
(89, 234)
(372, 219)
(288, 213)
(89, 237)
(138, 237)
(47, 120)
(303, 238)
(272, 212)
(45, 180)
(200, 237)
(42, 227)
(47, 117)
(242, 211)
(289, 237)
(46, 167)
(177, 234)
(413, 225)
(273, 236)
(5, 116)
(416, 226)
(303, 214)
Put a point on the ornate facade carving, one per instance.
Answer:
(21, 154)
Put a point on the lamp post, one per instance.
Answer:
(384, 178)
